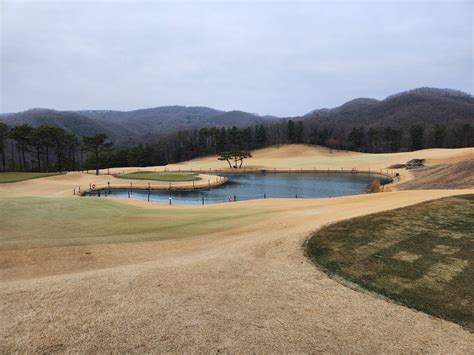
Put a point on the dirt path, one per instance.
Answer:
(250, 289)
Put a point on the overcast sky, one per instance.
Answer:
(278, 58)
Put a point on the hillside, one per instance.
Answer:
(70, 121)
(459, 175)
(165, 119)
(422, 106)
(307, 157)
(137, 123)
(169, 119)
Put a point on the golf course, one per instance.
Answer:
(387, 272)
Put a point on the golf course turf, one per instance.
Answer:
(420, 256)
(89, 275)
(20, 176)
(160, 176)
(45, 222)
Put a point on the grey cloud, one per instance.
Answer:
(270, 58)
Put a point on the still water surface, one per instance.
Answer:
(255, 186)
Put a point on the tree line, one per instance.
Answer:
(46, 148)
(192, 144)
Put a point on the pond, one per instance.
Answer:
(256, 186)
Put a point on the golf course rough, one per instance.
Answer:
(420, 256)
(122, 275)
(8, 177)
(31, 222)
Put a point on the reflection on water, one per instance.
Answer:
(255, 186)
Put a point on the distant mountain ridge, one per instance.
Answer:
(70, 121)
(433, 92)
(126, 125)
(425, 106)
(422, 106)
(167, 119)
(164, 119)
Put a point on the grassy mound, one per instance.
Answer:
(459, 175)
(160, 176)
(420, 256)
(19, 176)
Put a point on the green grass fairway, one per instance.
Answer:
(18, 176)
(160, 176)
(421, 256)
(43, 222)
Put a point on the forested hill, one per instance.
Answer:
(161, 120)
(71, 122)
(422, 118)
(361, 124)
(124, 126)
(422, 106)
(170, 119)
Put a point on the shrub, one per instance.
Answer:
(375, 186)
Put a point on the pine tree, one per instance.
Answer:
(291, 131)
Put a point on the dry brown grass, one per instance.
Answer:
(375, 186)
(457, 175)
(64, 185)
(420, 255)
(295, 156)
(248, 288)
(298, 156)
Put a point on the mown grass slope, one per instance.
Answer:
(31, 222)
(160, 176)
(20, 176)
